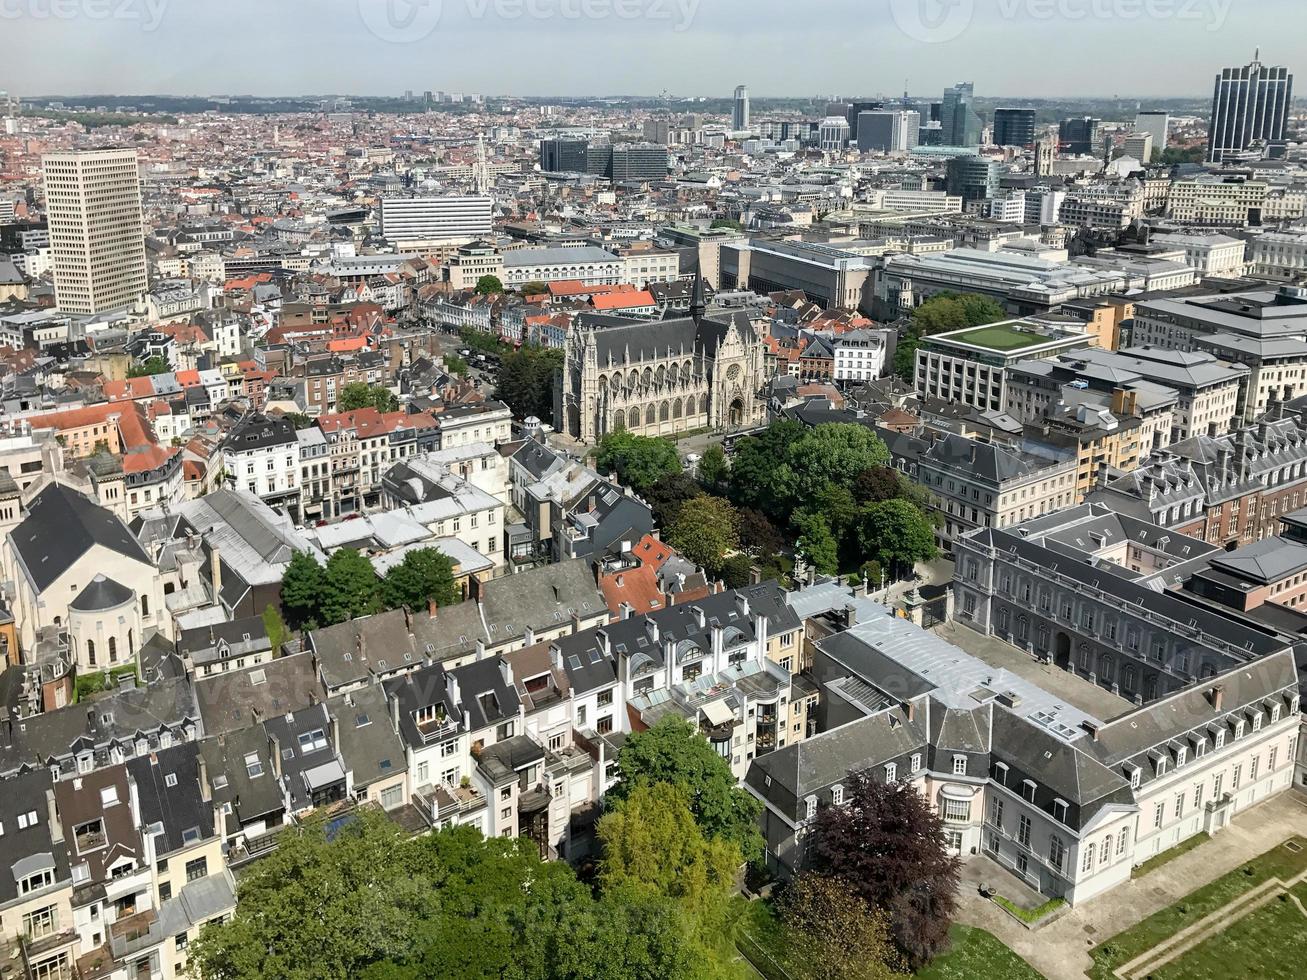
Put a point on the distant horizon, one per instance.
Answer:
(1089, 48)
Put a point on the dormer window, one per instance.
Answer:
(1275, 713)
(810, 807)
(1257, 721)
(959, 765)
(1181, 757)
(837, 795)
(1136, 776)
(1028, 790)
(916, 763)
(1060, 810)
(891, 772)
(1238, 728)
(1220, 739)
(1161, 765)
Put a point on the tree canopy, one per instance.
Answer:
(674, 752)
(526, 382)
(489, 285)
(302, 586)
(638, 461)
(360, 394)
(886, 843)
(831, 933)
(666, 497)
(425, 575)
(896, 534)
(706, 529)
(351, 588)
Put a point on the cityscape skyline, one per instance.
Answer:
(358, 47)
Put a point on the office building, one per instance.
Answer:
(740, 109)
(971, 366)
(1249, 105)
(1139, 146)
(1079, 137)
(563, 156)
(887, 132)
(854, 110)
(615, 161)
(93, 199)
(972, 178)
(958, 119)
(1158, 123)
(1014, 127)
(419, 222)
(833, 135)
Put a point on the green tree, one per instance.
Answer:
(832, 453)
(489, 285)
(705, 530)
(351, 589)
(526, 382)
(674, 752)
(714, 469)
(817, 543)
(149, 367)
(319, 909)
(278, 633)
(638, 461)
(653, 847)
(424, 574)
(727, 223)
(456, 366)
(736, 571)
(831, 933)
(755, 465)
(534, 288)
(897, 534)
(360, 394)
(302, 587)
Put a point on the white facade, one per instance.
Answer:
(93, 203)
(411, 222)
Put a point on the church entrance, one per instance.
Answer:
(736, 416)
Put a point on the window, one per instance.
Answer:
(1270, 758)
(1121, 842)
(109, 796)
(996, 811)
(1028, 790)
(196, 869)
(313, 741)
(1059, 810)
(1023, 830)
(810, 807)
(1088, 863)
(1216, 785)
(1179, 805)
(1159, 814)
(1198, 795)
(837, 794)
(35, 882)
(957, 811)
(891, 772)
(1056, 852)
(1254, 766)
(959, 765)
(1235, 777)
(1136, 776)
(41, 923)
(915, 763)
(448, 748)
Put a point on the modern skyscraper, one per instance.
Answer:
(1079, 137)
(961, 124)
(893, 131)
(417, 222)
(1158, 123)
(972, 178)
(1250, 104)
(1014, 127)
(93, 206)
(740, 110)
(853, 111)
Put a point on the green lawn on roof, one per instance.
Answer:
(999, 338)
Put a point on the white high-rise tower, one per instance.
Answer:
(97, 241)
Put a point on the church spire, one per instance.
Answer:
(698, 305)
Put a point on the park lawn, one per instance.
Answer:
(999, 338)
(1170, 854)
(1278, 862)
(1270, 944)
(978, 955)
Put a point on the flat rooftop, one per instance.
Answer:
(999, 337)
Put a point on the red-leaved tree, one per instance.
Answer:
(887, 844)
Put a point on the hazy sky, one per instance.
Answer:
(686, 47)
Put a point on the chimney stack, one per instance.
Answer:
(1218, 697)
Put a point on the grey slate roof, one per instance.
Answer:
(101, 593)
(61, 526)
(541, 599)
